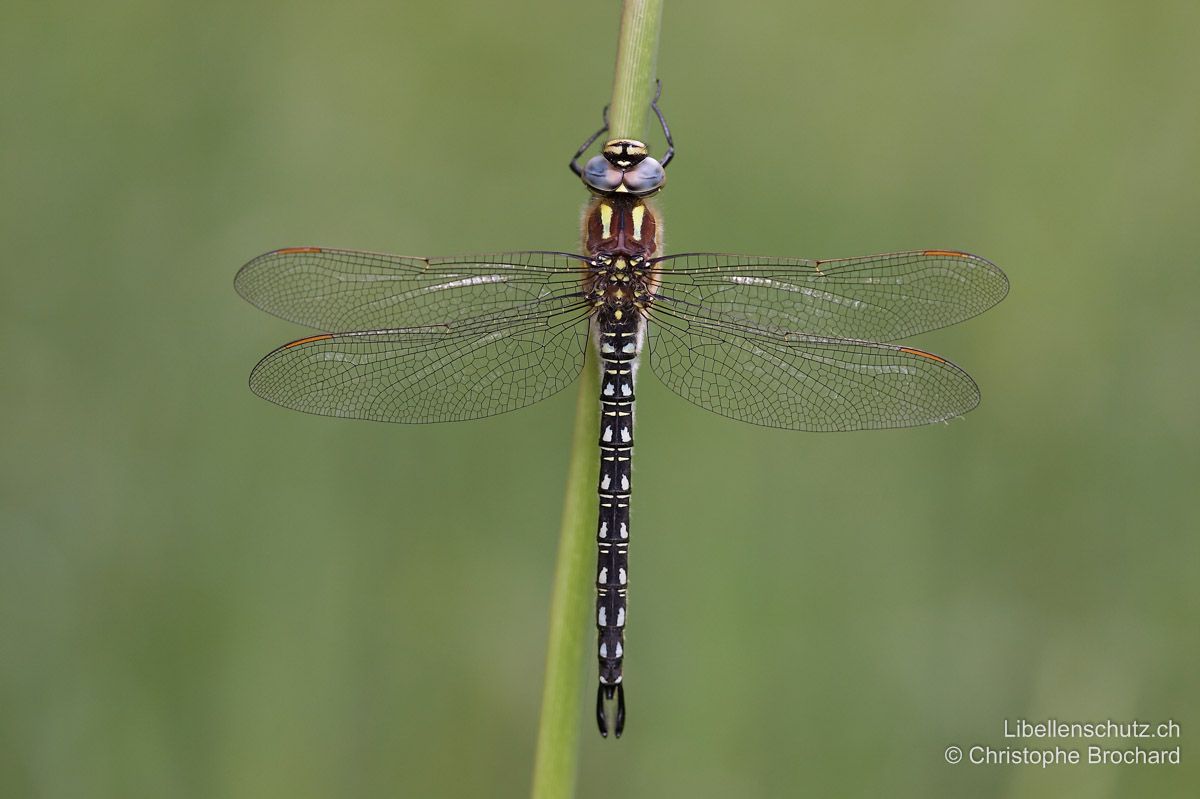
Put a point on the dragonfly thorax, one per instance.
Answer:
(624, 168)
(619, 281)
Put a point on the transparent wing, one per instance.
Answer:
(440, 373)
(351, 290)
(803, 382)
(875, 297)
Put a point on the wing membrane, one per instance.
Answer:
(440, 373)
(876, 297)
(804, 382)
(351, 290)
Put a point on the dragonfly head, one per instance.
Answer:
(625, 153)
(624, 168)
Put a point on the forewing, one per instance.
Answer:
(804, 382)
(430, 374)
(875, 297)
(338, 290)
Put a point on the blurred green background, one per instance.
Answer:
(204, 595)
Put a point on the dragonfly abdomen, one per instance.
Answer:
(618, 342)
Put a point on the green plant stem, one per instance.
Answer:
(562, 692)
(558, 731)
(637, 58)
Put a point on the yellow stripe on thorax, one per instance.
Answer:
(606, 213)
(639, 213)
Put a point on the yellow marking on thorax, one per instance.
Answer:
(606, 213)
(639, 213)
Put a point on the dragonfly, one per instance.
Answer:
(788, 343)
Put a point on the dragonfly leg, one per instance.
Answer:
(666, 159)
(583, 148)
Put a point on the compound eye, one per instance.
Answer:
(645, 177)
(601, 175)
